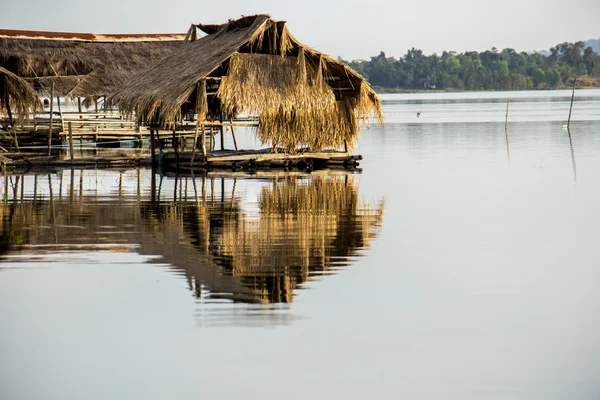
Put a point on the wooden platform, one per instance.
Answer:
(251, 160)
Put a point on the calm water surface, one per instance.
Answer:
(462, 263)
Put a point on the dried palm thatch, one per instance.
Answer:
(17, 95)
(294, 104)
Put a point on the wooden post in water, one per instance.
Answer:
(572, 98)
(222, 131)
(175, 143)
(506, 120)
(71, 141)
(12, 123)
(50, 124)
(152, 148)
(195, 141)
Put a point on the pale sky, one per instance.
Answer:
(351, 29)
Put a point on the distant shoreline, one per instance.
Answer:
(589, 83)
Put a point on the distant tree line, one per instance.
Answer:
(490, 70)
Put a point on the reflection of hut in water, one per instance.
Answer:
(303, 227)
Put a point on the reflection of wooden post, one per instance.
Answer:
(152, 189)
(572, 155)
(71, 141)
(572, 98)
(195, 188)
(51, 115)
(175, 187)
(53, 209)
(35, 185)
(233, 191)
(72, 187)
(222, 192)
(159, 188)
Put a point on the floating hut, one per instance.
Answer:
(303, 100)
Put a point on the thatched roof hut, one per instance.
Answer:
(16, 95)
(81, 64)
(254, 65)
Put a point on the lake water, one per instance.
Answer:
(462, 263)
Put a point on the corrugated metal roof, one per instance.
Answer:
(90, 37)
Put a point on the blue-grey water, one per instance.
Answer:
(462, 263)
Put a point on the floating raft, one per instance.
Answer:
(252, 160)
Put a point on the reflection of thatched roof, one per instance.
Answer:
(101, 62)
(305, 227)
(17, 94)
(313, 94)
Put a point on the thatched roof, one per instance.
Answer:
(302, 96)
(95, 64)
(16, 95)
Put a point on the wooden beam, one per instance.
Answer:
(51, 116)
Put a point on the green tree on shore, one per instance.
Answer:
(489, 70)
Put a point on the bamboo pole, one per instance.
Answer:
(214, 123)
(51, 115)
(222, 131)
(203, 138)
(12, 123)
(506, 120)
(62, 121)
(71, 140)
(572, 98)
(233, 134)
(195, 141)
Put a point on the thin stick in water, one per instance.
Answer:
(572, 98)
